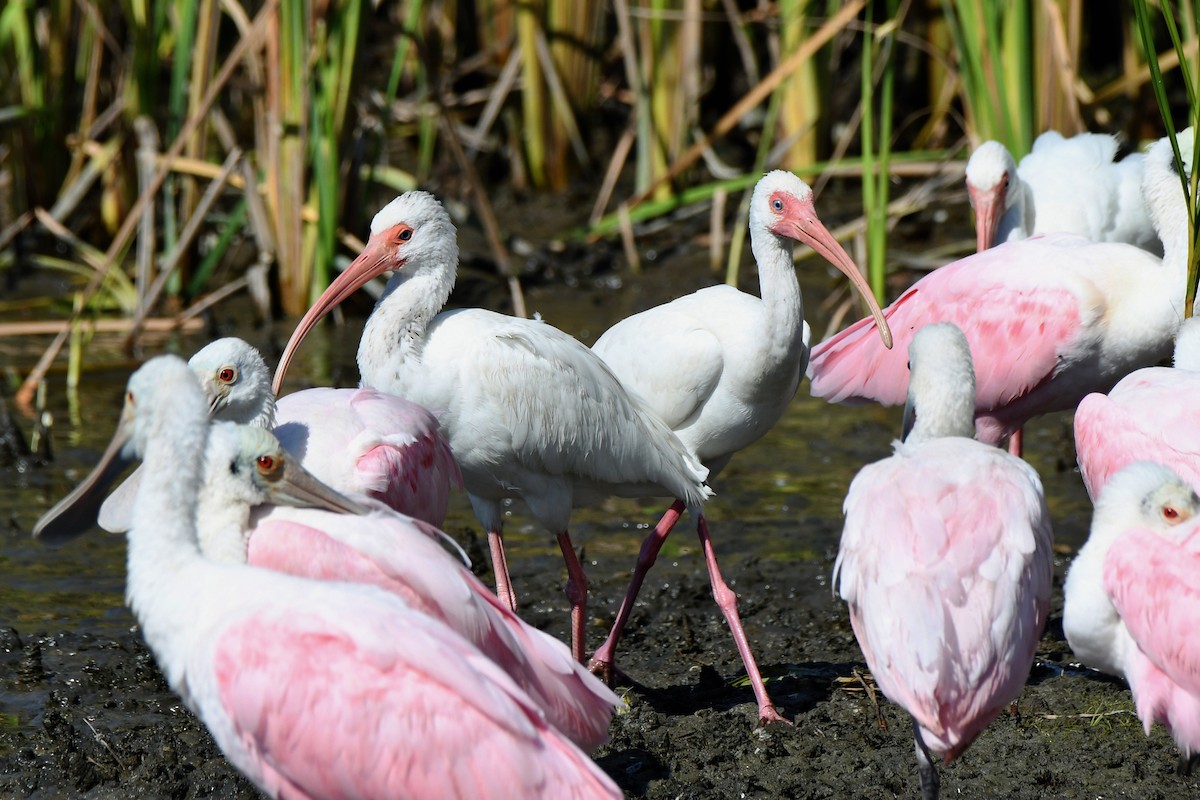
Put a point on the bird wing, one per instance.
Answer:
(1150, 415)
(667, 355)
(1020, 319)
(529, 389)
(1074, 184)
(362, 440)
(404, 558)
(1154, 583)
(945, 564)
(387, 705)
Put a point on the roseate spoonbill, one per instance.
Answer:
(723, 367)
(248, 468)
(357, 440)
(946, 561)
(530, 412)
(1150, 415)
(1063, 186)
(1049, 319)
(316, 689)
(1130, 596)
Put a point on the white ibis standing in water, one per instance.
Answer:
(946, 561)
(530, 412)
(720, 366)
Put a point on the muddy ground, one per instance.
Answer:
(84, 711)
(110, 728)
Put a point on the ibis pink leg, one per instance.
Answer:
(727, 599)
(577, 591)
(602, 660)
(1016, 444)
(504, 588)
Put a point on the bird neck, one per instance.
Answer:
(1021, 214)
(946, 408)
(1162, 193)
(223, 525)
(784, 335)
(394, 337)
(162, 539)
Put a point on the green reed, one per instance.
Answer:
(1190, 179)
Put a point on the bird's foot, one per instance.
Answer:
(768, 715)
(601, 669)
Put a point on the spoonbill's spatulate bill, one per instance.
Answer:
(1048, 319)
(946, 561)
(1132, 596)
(721, 366)
(530, 412)
(248, 471)
(316, 689)
(1064, 185)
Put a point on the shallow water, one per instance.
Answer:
(84, 712)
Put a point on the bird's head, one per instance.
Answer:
(991, 171)
(410, 234)
(783, 205)
(235, 379)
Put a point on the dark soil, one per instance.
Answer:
(108, 726)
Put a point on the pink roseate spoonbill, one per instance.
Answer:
(318, 689)
(1063, 186)
(356, 440)
(248, 470)
(1132, 597)
(1049, 319)
(946, 561)
(1150, 415)
(530, 412)
(722, 369)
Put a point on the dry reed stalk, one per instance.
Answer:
(24, 395)
(834, 25)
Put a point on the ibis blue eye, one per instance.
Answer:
(777, 204)
(405, 235)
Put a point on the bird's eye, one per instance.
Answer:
(227, 375)
(1171, 515)
(405, 235)
(777, 204)
(129, 398)
(267, 466)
